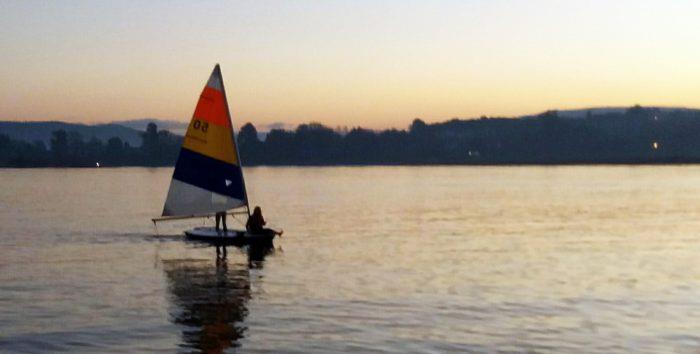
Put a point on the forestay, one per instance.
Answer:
(207, 177)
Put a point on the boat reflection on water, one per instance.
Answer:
(208, 298)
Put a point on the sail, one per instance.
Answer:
(207, 177)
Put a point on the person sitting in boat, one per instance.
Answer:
(221, 216)
(256, 223)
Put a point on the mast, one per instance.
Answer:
(235, 142)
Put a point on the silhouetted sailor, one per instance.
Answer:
(256, 223)
(221, 217)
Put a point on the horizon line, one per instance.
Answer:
(445, 119)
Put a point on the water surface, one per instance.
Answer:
(387, 259)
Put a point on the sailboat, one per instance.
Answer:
(208, 178)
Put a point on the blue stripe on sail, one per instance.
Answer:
(210, 174)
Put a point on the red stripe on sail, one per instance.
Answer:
(212, 107)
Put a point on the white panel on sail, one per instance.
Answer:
(186, 199)
(215, 82)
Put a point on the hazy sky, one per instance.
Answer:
(344, 63)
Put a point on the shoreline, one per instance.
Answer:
(483, 164)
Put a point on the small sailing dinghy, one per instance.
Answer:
(208, 178)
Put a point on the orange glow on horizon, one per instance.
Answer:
(371, 65)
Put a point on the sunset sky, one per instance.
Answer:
(376, 64)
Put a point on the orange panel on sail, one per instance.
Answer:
(212, 107)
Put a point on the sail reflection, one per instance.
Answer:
(208, 298)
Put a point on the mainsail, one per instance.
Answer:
(207, 177)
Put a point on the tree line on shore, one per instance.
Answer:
(69, 149)
(637, 135)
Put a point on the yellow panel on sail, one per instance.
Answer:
(211, 140)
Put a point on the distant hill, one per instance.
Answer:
(33, 131)
(127, 130)
(598, 111)
(175, 127)
(179, 128)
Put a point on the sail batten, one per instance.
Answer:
(207, 176)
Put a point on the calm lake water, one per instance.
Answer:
(373, 259)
